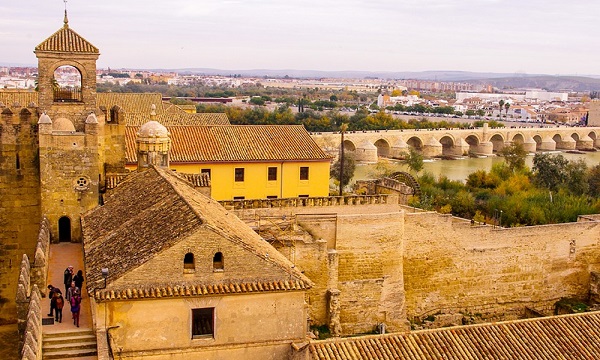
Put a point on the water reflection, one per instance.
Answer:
(460, 169)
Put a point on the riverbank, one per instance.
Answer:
(459, 169)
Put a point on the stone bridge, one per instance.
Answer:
(367, 146)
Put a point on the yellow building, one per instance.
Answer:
(247, 161)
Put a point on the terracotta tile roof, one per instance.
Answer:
(22, 97)
(152, 210)
(199, 290)
(136, 108)
(557, 337)
(67, 40)
(131, 102)
(232, 143)
(198, 180)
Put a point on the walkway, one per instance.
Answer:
(61, 256)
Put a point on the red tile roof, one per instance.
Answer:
(557, 337)
(235, 143)
(67, 40)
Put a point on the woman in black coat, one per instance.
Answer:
(78, 279)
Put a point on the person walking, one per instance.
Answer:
(78, 280)
(71, 291)
(75, 307)
(60, 303)
(51, 291)
(68, 277)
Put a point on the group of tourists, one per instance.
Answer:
(73, 283)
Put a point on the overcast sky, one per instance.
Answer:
(526, 36)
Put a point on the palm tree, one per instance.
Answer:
(501, 102)
(506, 106)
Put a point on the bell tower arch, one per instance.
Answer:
(59, 99)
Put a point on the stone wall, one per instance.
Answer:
(451, 266)
(19, 197)
(355, 262)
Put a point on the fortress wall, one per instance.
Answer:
(451, 266)
(19, 200)
(370, 272)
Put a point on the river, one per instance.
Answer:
(460, 169)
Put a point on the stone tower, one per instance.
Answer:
(70, 134)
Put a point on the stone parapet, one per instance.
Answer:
(32, 343)
(39, 269)
(309, 201)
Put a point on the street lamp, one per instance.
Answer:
(343, 128)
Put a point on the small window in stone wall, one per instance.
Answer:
(203, 324)
(218, 264)
(188, 263)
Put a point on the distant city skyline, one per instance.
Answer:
(534, 36)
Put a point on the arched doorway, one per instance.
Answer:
(64, 229)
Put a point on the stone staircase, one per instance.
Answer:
(69, 344)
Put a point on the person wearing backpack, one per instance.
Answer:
(60, 303)
(75, 307)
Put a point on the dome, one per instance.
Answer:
(152, 129)
(44, 119)
(63, 124)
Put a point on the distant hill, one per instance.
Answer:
(550, 83)
(499, 80)
(350, 74)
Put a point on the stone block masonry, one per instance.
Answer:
(451, 266)
(19, 198)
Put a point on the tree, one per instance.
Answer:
(470, 112)
(501, 103)
(414, 160)
(514, 155)
(506, 106)
(349, 167)
(550, 171)
(577, 177)
(594, 181)
(480, 112)
(257, 100)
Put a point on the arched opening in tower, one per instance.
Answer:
(66, 84)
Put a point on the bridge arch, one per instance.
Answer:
(557, 138)
(575, 136)
(472, 140)
(416, 143)
(349, 145)
(383, 148)
(592, 135)
(518, 139)
(447, 145)
(497, 141)
(538, 141)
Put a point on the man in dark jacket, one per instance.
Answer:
(51, 291)
(68, 277)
